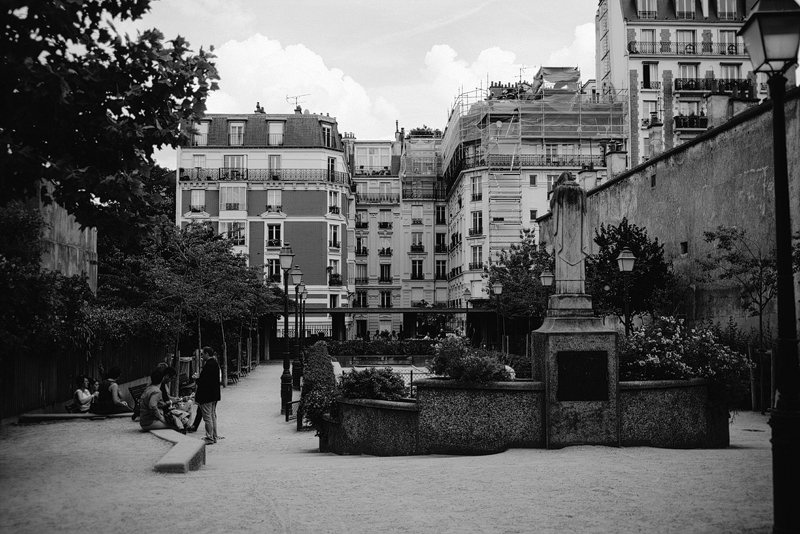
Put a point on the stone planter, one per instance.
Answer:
(673, 414)
(461, 418)
(380, 428)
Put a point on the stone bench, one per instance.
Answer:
(187, 453)
(40, 417)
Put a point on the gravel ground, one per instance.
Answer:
(266, 477)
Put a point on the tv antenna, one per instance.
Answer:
(296, 98)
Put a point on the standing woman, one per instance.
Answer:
(108, 399)
(208, 394)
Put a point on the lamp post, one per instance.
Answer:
(772, 36)
(467, 297)
(497, 289)
(297, 279)
(286, 257)
(625, 262)
(303, 297)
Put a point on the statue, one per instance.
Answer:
(571, 236)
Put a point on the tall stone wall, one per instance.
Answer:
(722, 177)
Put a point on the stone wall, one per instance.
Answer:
(722, 177)
(380, 428)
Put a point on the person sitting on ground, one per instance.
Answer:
(108, 399)
(83, 396)
(180, 407)
(151, 405)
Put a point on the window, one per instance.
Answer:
(688, 71)
(331, 169)
(361, 273)
(232, 198)
(649, 107)
(532, 180)
(327, 137)
(551, 179)
(334, 301)
(362, 219)
(684, 247)
(385, 243)
(441, 242)
(534, 214)
(416, 270)
(646, 9)
(234, 231)
(726, 9)
(386, 272)
(477, 190)
(652, 180)
(689, 108)
(650, 76)
(236, 133)
(201, 136)
(361, 328)
(361, 300)
(333, 236)
(416, 214)
(686, 44)
(684, 9)
(648, 42)
(275, 166)
(333, 266)
(199, 161)
(333, 201)
(440, 215)
(551, 152)
(197, 203)
(273, 268)
(477, 254)
(729, 72)
(274, 200)
(234, 166)
(386, 299)
(416, 239)
(727, 42)
(372, 160)
(441, 269)
(274, 133)
(477, 223)
(385, 188)
(273, 235)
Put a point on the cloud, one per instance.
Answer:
(260, 69)
(579, 53)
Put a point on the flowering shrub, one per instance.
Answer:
(319, 385)
(667, 349)
(380, 384)
(456, 359)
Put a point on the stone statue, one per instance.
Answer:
(571, 236)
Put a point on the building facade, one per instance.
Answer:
(668, 56)
(267, 180)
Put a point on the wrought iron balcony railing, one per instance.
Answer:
(362, 251)
(334, 209)
(372, 170)
(334, 244)
(425, 193)
(477, 196)
(713, 84)
(197, 208)
(385, 252)
(232, 206)
(651, 85)
(361, 281)
(475, 232)
(441, 249)
(515, 162)
(684, 48)
(417, 248)
(476, 266)
(273, 242)
(335, 279)
(441, 276)
(384, 280)
(362, 224)
(378, 198)
(417, 276)
(274, 208)
(691, 122)
(222, 174)
(416, 221)
(384, 225)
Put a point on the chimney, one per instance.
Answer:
(396, 126)
(616, 160)
(587, 177)
(656, 131)
(298, 110)
(258, 109)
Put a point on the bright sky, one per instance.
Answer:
(371, 62)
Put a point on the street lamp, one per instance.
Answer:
(286, 257)
(497, 289)
(625, 262)
(772, 36)
(297, 279)
(467, 297)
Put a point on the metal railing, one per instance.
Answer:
(334, 244)
(334, 209)
(362, 251)
(335, 280)
(362, 224)
(712, 84)
(263, 175)
(384, 225)
(682, 122)
(651, 85)
(372, 170)
(361, 281)
(476, 266)
(474, 232)
(516, 162)
(440, 249)
(378, 198)
(417, 248)
(682, 48)
(477, 196)
(425, 193)
(416, 221)
(385, 251)
(273, 242)
(650, 15)
(197, 208)
(383, 280)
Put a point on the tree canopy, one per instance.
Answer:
(84, 106)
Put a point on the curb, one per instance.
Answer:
(40, 417)
(187, 453)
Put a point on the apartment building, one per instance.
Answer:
(265, 180)
(669, 56)
(503, 149)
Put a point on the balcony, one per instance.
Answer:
(386, 305)
(424, 192)
(275, 139)
(335, 279)
(517, 162)
(197, 208)
(651, 85)
(221, 174)
(384, 280)
(362, 224)
(648, 15)
(416, 221)
(378, 198)
(236, 139)
(476, 266)
(713, 85)
(691, 122)
(273, 242)
(362, 251)
(361, 281)
(476, 232)
(232, 206)
(417, 276)
(334, 244)
(360, 304)
(441, 249)
(272, 208)
(683, 48)
(335, 210)
(372, 170)
(417, 248)
(385, 252)
(384, 225)
(477, 196)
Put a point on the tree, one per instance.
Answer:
(518, 269)
(84, 107)
(648, 283)
(748, 263)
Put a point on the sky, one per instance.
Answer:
(370, 63)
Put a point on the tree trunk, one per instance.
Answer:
(224, 356)
(239, 357)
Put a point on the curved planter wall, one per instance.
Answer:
(672, 413)
(381, 428)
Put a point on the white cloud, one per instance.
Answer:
(579, 53)
(260, 69)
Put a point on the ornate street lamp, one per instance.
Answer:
(297, 367)
(286, 257)
(625, 261)
(467, 297)
(772, 36)
(497, 289)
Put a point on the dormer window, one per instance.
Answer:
(684, 9)
(275, 133)
(236, 133)
(327, 136)
(200, 137)
(646, 9)
(726, 9)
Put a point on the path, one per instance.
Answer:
(266, 477)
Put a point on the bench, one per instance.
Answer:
(187, 453)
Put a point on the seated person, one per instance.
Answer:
(108, 399)
(83, 397)
(180, 407)
(155, 412)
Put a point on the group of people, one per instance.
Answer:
(156, 408)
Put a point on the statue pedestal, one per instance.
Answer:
(575, 356)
